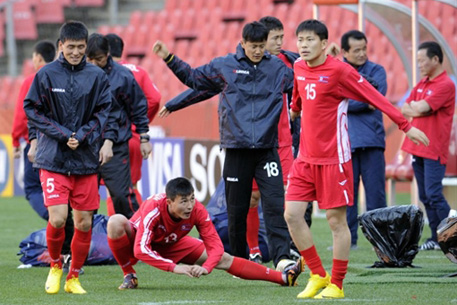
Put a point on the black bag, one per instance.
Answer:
(394, 233)
(447, 238)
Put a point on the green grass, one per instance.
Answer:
(425, 285)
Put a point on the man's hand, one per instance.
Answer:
(17, 152)
(333, 49)
(183, 269)
(160, 49)
(146, 149)
(198, 271)
(32, 151)
(164, 112)
(73, 143)
(417, 136)
(106, 152)
(294, 115)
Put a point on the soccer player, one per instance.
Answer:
(323, 169)
(152, 94)
(130, 107)
(431, 105)
(366, 132)
(251, 84)
(69, 104)
(157, 234)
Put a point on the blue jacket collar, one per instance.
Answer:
(69, 66)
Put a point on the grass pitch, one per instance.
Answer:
(425, 285)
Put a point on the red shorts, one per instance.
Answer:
(136, 159)
(80, 190)
(331, 185)
(187, 250)
(287, 158)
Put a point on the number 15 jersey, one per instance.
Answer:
(321, 94)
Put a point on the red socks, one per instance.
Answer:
(55, 238)
(251, 271)
(339, 271)
(252, 230)
(123, 253)
(139, 199)
(313, 261)
(110, 207)
(80, 246)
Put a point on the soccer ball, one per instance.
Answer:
(284, 264)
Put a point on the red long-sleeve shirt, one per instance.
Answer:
(20, 129)
(155, 227)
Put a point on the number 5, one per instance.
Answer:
(50, 185)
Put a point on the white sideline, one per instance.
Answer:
(181, 302)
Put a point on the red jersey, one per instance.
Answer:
(149, 88)
(155, 227)
(20, 129)
(439, 93)
(322, 93)
(284, 135)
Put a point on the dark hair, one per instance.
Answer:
(255, 32)
(57, 43)
(116, 45)
(73, 30)
(357, 35)
(433, 49)
(272, 23)
(313, 25)
(46, 49)
(178, 187)
(97, 44)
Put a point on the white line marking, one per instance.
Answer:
(181, 302)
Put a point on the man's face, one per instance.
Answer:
(310, 46)
(99, 59)
(275, 41)
(357, 53)
(426, 65)
(73, 50)
(182, 206)
(253, 50)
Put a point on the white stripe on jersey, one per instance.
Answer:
(146, 238)
(342, 136)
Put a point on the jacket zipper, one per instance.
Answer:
(252, 110)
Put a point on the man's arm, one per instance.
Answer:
(203, 78)
(378, 80)
(185, 99)
(152, 94)
(38, 112)
(416, 109)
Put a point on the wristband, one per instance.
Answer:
(144, 138)
(169, 58)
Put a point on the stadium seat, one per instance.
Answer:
(24, 21)
(6, 83)
(49, 11)
(90, 3)
(27, 67)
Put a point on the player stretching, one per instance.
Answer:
(323, 169)
(157, 235)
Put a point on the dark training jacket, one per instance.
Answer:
(130, 105)
(66, 99)
(366, 128)
(250, 96)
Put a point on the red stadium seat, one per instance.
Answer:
(27, 67)
(6, 83)
(24, 21)
(91, 3)
(49, 11)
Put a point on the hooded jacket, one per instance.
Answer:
(66, 99)
(250, 96)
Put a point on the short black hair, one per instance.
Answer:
(73, 30)
(313, 25)
(255, 32)
(433, 49)
(357, 35)
(272, 23)
(178, 187)
(116, 44)
(46, 49)
(97, 44)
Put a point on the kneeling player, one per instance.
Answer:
(157, 235)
